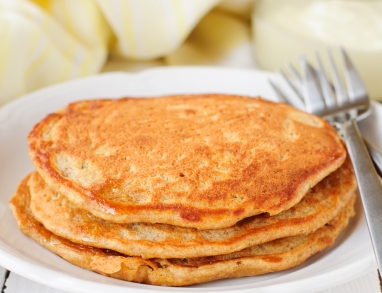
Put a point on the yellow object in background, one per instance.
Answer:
(148, 29)
(240, 8)
(38, 49)
(283, 30)
(43, 42)
(220, 39)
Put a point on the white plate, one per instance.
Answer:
(349, 257)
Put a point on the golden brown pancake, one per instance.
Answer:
(201, 161)
(147, 240)
(272, 256)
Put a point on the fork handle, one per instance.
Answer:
(369, 186)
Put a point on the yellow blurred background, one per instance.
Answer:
(43, 42)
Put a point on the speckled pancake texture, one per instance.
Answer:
(259, 259)
(148, 240)
(199, 161)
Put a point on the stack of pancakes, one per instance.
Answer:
(182, 190)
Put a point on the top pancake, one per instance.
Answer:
(202, 161)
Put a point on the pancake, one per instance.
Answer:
(147, 240)
(272, 256)
(201, 161)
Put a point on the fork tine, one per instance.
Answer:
(297, 82)
(294, 98)
(282, 97)
(356, 88)
(293, 72)
(290, 83)
(314, 101)
(327, 91)
(342, 97)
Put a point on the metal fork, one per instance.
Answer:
(294, 97)
(343, 110)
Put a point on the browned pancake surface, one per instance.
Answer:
(147, 240)
(202, 161)
(269, 257)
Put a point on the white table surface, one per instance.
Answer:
(368, 283)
